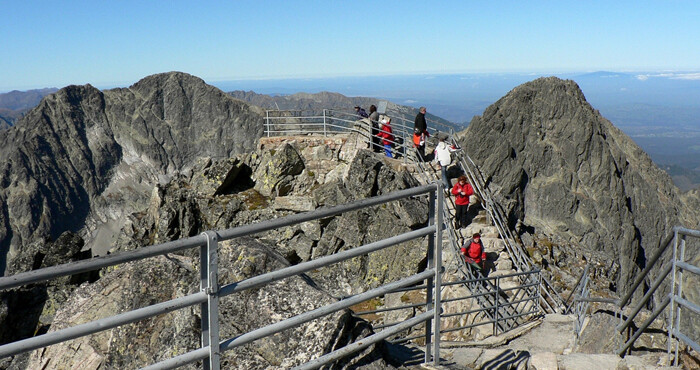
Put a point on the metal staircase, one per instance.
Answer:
(515, 310)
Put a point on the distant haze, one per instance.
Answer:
(659, 110)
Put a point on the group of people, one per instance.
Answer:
(382, 136)
(473, 249)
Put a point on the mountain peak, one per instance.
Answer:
(566, 175)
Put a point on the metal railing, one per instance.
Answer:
(579, 306)
(676, 267)
(484, 300)
(328, 122)
(551, 300)
(497, 312)
(211, 289)
(333, 121)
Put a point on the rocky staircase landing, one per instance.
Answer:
(546, 344)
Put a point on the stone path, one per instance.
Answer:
(544, 345)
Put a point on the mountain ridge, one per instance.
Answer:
(63, 154)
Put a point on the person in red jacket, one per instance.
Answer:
(473, 251)
(387, 136)
(462, 191)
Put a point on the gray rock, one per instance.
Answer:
(572, 178)
(159, 279)
(58, 160)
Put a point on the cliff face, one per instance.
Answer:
(69, 160)
(572, 182)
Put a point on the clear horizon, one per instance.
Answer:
(55, 44)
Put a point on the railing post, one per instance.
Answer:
(495, 315)
(429, 283)
(438, 274)
(324, 123)
(673, 288)
(267, 122)
(209, 260)
(679, 294)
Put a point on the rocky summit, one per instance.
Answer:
(576, 188)
(83, 158)
(170, 157)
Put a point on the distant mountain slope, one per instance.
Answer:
(15, 103)
(569, 178)
(83, 147)
(330, 100)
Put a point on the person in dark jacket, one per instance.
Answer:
(420, 132)
(361, 112)
(462, 191)
(473, 252)
(374, 121)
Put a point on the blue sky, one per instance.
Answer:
(116, 43)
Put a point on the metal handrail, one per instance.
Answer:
(521, 261)
(466, 271)
(208, 296)
(403, 126)
(675, 268)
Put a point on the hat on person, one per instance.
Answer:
(476, 235)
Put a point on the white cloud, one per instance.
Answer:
(671, 75)
(687, 76)
(410, 101)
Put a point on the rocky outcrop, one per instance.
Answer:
(141, 283)
(572, 183)
(85, 157)
(30, 310)
(223, 193)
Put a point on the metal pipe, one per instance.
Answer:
(438, 276)
(643, 327)
(319, 312)
(364, 343)
(687, 340)
(177, 361)
(286, 272)
(642, 275)
(404, 307)
(566, 302)
(97, 263)
(688, 267)
(322, 212)
(687, 304)
(92, 327)
(645, 299)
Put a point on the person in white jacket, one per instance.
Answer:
(443, 158)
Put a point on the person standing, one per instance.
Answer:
(443, 157)
(387, 136)
(473, 252)
(462, 191)
(420, 132)
(374, 121)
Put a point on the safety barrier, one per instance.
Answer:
(332, 121)
(551, 300)
(212, 290)
(675, 267)
(675, 300)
